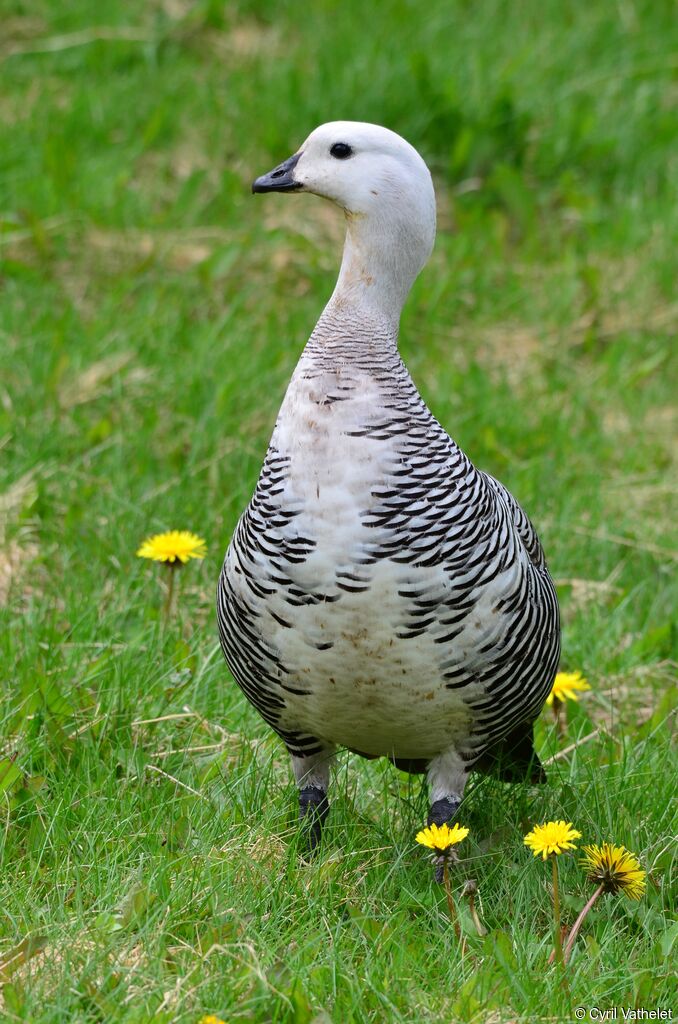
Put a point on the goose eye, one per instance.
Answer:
(341, 150)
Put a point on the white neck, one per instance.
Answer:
(382, 257)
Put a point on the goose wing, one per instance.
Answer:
(521, 521)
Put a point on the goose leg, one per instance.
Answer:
(447, 775)
(312, 775)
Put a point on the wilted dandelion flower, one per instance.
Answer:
(471, 891)
(173, 548)
(441, 838)
(612, 869)
(553, 837)
(566, 686)
(615, 869)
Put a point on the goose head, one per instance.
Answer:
(384, 187)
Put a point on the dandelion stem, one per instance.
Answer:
(578, 923)
(170, 591)
(450, 902)
(557, 939)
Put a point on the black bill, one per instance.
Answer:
(280, 179)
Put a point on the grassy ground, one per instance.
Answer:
(152, 312)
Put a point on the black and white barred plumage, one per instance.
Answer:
(380, 593)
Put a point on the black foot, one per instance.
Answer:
(313, 809)
(442, 811)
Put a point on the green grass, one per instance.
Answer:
(151, 314)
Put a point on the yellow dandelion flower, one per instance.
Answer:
(615, 868)
(441, 837)
(211, 1019)
(173, 548)
(552, 837)
(566, 685)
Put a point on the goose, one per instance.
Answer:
(380, 593)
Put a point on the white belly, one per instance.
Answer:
(370, 690)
